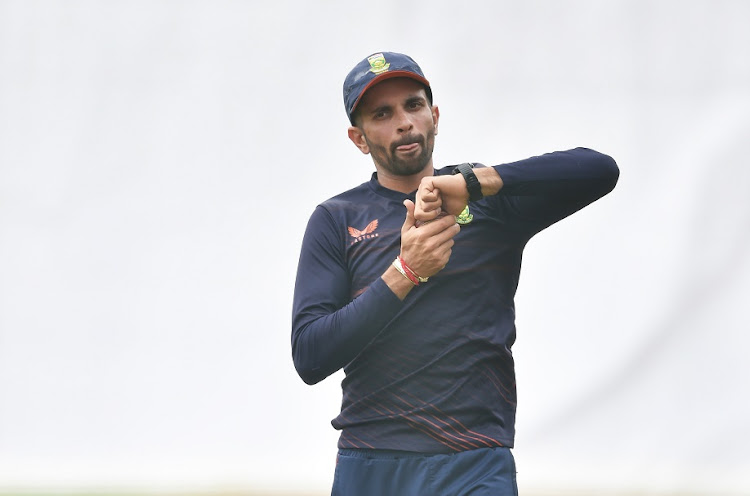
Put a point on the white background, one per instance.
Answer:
(158, 164)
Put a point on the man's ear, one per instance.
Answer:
(358, 138)
(435, 117)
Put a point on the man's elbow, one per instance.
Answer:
(310, 376)
(306, 369)
(604, 169)
(608, 170)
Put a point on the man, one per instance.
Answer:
(407, 283)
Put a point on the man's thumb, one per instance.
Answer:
(409, 221)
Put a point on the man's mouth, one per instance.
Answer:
(409, 145)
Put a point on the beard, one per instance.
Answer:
(388, 159)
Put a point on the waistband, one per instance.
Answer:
(396, 454)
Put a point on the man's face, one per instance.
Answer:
(398, 126)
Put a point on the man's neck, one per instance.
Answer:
(404, 184)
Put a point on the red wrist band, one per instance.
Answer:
(411, 272)
(398, 263)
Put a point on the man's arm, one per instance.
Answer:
(329, 330)
(542, 189)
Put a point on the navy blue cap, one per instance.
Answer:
(376, 68)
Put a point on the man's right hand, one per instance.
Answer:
(427, 249)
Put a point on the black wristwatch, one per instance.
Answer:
(472, 183)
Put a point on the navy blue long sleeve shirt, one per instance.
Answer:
(435, 372)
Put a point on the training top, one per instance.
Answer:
(433, 373)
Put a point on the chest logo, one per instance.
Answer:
(366, 233)
(464, 217)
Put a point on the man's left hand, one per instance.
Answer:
(440, 194)
(443, 195)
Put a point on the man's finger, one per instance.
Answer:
(443, 222)
(409, 221)
(447, 234)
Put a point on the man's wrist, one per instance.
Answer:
(473, 185)
(397, 283)
(400, 266)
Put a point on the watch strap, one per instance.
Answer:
(472, 183)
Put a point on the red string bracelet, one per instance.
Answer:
(399, 267)
(411, 272)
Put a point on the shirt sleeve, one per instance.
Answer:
(329, 329)
(545, 189)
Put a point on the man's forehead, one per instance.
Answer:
(393, 90)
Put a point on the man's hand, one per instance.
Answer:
(427, 249)
(440, 194)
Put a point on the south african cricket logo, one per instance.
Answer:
(465, 216)
(378, 63)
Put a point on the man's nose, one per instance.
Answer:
(403, 121)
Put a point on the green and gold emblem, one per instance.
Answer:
(464, 217)
(378, 63)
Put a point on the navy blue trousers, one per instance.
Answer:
(481, 472)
